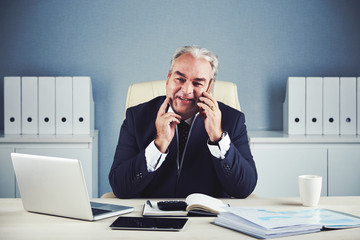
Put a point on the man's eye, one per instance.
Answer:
(181, 80)
(197, 84)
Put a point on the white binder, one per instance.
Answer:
(12, 105)
(313, 105)
(29, 105)
(358, 105)
(83, 106)
(294, 106)
(63, 105)
(46, 105)
(331, 105)
(348, 105)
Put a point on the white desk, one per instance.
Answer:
(16, 223)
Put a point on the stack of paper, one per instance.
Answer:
(262, 223)
(322, 105)
(48, 105)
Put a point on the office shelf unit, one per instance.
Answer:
(280, 158)
(83, 147)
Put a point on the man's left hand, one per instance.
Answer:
(212, 116)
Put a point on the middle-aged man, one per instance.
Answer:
(153, 158)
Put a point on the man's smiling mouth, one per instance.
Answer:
(186, 99)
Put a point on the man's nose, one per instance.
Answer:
(187, 88)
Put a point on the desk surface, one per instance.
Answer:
(16, 223)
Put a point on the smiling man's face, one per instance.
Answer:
(189, 78)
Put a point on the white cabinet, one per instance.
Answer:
(280, 158)
(279, 167)
(81, 147)
(7, 178)
(344, 169)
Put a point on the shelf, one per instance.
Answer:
(281, 137)
(54, 138)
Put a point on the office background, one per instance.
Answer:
(119, 42)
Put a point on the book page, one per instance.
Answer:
(198, 201)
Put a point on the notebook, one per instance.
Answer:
(56, 186)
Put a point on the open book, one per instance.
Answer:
(197, 204)
(262, 223)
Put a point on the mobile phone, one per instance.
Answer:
(210, 86)
(201, 110)
(148, 223)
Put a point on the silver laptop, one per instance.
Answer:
(56, 186)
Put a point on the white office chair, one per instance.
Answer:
(225, 92)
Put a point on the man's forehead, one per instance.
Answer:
(196, 67)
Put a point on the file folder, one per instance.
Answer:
(12, 105)
(331, 105)
(294, 106)
(46, 105)
(29, 105)
(83, 106)
(63, 105)
(313, 106)
(348, 105)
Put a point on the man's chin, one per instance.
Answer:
(184, 111)
(186, 114)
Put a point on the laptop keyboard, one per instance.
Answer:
(97, 211)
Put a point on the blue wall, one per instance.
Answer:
(259, 44)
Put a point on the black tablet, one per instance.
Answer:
(148, 223)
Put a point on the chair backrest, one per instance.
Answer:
(225, 92)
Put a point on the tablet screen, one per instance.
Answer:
(148, 223)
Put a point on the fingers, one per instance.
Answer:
(212, 116)
(164, 107)
(205, 108)
(167, 117)
(171, 118)
(208, 102)
(165, 124)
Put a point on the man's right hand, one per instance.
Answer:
(165, 126)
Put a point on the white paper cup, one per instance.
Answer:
(310, 189)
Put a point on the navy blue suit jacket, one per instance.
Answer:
(234, 176)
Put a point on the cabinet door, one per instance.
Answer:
(7, 175)
(82, 154)
(344, 171)
(278, 169)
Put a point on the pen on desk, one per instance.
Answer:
(149, 203)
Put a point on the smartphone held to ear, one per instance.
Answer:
(201, 110)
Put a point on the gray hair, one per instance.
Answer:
(197, 53)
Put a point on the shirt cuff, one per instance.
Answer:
(154, 158)
(220, 150)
